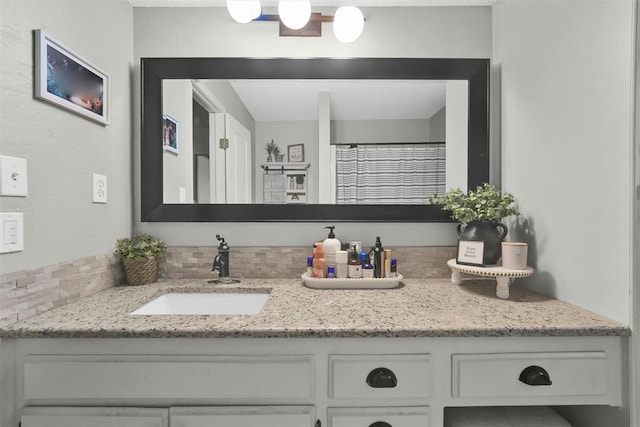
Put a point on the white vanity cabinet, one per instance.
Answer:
(287, 382)
(94, 417)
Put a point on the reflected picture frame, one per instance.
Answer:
(295, 153)
(65, 79)
(170, 134)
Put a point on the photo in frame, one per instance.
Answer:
(470, 252)
(69, 81)
(170, 139)
(295, 153)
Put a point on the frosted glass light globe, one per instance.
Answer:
(244, 11)
(294, 13)
(348, 23)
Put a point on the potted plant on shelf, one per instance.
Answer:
(272, 150)
(480, 213)
(140, 256)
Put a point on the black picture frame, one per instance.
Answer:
(155, 70)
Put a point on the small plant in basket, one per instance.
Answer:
(140, 256)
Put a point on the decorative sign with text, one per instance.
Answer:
(470, 252)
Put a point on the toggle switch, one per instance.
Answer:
(13, 176)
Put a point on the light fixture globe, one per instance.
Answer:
(294, 13)
(244, 11)
(348, 23)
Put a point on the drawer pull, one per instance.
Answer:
(381, 378)
(535, 375)
(380, 424)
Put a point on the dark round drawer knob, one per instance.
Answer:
(535, 375)
(382, 378)
(380, 424)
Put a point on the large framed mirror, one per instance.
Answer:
(360, 139)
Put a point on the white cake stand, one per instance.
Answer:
(503, 276)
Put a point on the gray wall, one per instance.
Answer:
(566, 96)
(177, 168)
(63, 149)
(457, 32)
(438, 126)
(379, 131)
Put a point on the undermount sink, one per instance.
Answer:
(203, 303)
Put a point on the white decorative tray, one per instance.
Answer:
(312, 282)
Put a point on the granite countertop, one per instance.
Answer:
(419, 308)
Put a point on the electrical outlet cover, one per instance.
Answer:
(99, 188)
(13, 176)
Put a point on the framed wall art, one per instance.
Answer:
(295, 153)
(65, 79)
(170, 136)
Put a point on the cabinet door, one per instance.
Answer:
(94, 417)
(243, 416)
(379, 417)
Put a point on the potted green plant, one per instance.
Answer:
(480, 213)
(272, 150)
(140, 256)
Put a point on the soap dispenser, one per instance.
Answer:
(331, 246)
(378, 257)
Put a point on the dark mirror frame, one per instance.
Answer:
(155, 70)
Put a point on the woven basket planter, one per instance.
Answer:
(141, 271)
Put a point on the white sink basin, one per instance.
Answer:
(200, 303)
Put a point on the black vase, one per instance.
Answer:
(491, 233)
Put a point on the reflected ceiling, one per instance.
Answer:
(286, 100)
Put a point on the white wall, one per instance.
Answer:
(380, 131)
(457, 131)
(62, 148)
(459, 32)
(438, 125)
(177, 168)
(566, 96)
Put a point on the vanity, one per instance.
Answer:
(310, 357)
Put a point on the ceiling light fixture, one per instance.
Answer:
(348, 23)
(294, 13)
(244, 11)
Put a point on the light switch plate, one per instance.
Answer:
(11, 232)
(99, 188)
(13, 176)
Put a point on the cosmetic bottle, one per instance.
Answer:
(331, 272)
(310, 266)
(355, 266)
(386, 265)
(394, 267)
(319, 262)
(331, 245)
(377, 258)
(342, 267)
(367, 268)
(387, 268)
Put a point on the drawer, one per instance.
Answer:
(94, 417)
(498, 375)
(413, 416)
(380, 376)
(245, 416)
(118, 378)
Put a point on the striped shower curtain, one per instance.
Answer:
(390, 174)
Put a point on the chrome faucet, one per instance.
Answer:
(221, 263)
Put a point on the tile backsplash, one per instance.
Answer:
(290, 262)
(25, 293)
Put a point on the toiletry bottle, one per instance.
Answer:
(319, 262)
(367, 268)
(310, 266)
(331, 272)
(331, 245)
(386, 262)
(355, 266)
(394, 267)
(387, 268)
(377, 258)
(342, 261)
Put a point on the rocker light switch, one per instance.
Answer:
(13, 176)
(11, 232)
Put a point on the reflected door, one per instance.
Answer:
(233, 172)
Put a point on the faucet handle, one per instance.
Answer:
(223, 246)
